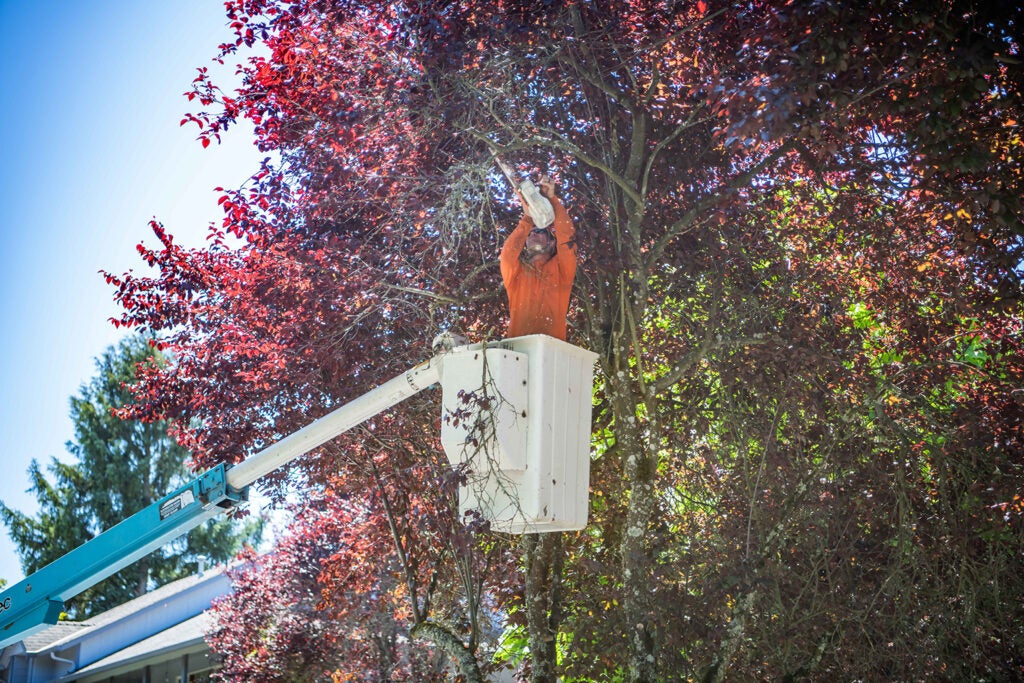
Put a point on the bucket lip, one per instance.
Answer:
(524, 343)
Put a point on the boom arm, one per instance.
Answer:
(36, 602)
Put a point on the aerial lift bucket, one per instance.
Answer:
(516, 419)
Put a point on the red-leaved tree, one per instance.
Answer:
(800, 232)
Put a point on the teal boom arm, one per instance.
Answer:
(37, 602)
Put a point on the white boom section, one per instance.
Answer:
(334, 423)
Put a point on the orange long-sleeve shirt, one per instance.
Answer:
(538, 298)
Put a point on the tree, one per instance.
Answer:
(121, 467)
(61, 524)
(275, 626)
(801, 231)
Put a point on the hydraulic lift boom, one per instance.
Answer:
(528, 459)
(36, 602)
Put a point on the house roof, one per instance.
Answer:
(186, 636)
(62, 634)
(59, 631)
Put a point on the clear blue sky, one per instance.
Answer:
(91, 150)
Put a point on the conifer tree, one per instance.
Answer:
(122, 466)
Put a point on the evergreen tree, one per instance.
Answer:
(122, 466)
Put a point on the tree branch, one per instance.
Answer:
(449, 643)
(677, 228)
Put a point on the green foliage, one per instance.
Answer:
(513, 646)
(122, 466)
(62, 523)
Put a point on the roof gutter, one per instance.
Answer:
(69, 662)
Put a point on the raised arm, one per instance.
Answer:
(510, 263)
(565, 232)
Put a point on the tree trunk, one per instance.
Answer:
(544, 556)
(142, 577)
(451, 645)
(634, 554)
(716, 673)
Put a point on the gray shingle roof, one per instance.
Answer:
(59, 631)
(191, 632)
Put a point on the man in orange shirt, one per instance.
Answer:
(538, 266)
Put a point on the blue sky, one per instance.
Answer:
(91, 151)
